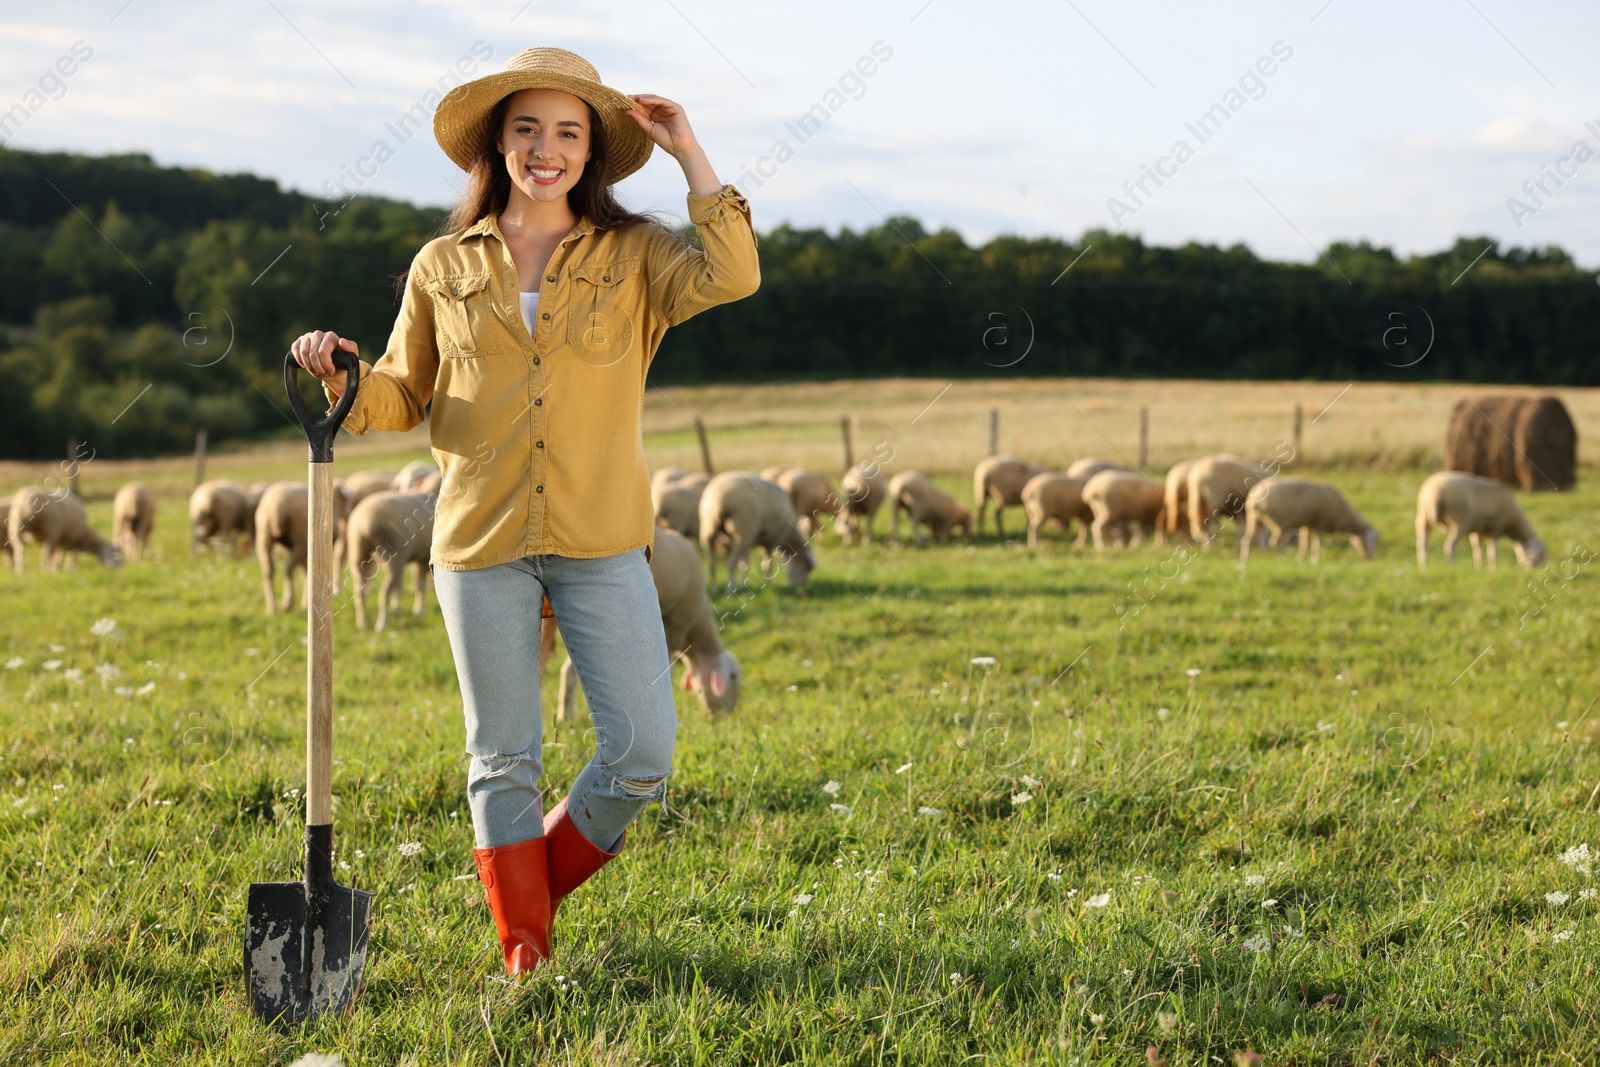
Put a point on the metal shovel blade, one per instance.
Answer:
(305, 943)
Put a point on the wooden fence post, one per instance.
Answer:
(1144, 436)
(994, 431)
(705, 445)
(72, 466)
(1299, 421)
(199, 456)
(849, 454)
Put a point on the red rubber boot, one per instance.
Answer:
(516, 881)
(573, 858)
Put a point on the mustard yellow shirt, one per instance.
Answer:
(539, 436)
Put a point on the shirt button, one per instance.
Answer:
(538, 489)
(536, 359)
(538, 401)
(607, 278)
(546, 315)
(538, 444)
(550, 277)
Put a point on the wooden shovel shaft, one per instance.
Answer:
(319, 650)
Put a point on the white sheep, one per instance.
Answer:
(414, 477)
(281, 517)
(999, 480)
(772, 473)
(1055, 497)
(394, 530)
(912, 493)
(1174, 527)
(665, 476)
(678, 508)
(1218, 486)
(864, 491)
(1478, 507)
(1089, 466)
(690, 624)
(739, 510)
(812, 496)
(133, 516)
(1284, 505)
(222, 507)
(59, 525)
(1122, 500)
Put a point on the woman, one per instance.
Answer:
(530, 327)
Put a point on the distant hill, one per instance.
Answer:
(177, 291)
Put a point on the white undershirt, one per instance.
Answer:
(530, 305)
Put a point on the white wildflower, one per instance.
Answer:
(1019, 799)
(803, 899)
(123, 690)
(1255, 879)
(58, 787)
(1258, 943)
(1293, 933)
(955, 978)
(145, 690)
(794, 689)
(1099, 900)
(107, 671)
(1589, 894)
(58, 648)
(929, 813)
(1563, 724)
(842, 809)
(983, 661)
(903, 768)
(1562, 935)
(409, 848)
(1557, 897)
(51, 665)
(14, 662)
(1162, 713)
(1270, 902)
(1031, 782)
(1323, 727)
(832, 787)
(104, 628)
(1055, 875)
(1577, 857)
(73, 674)
(1193, 672)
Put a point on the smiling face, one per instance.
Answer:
(545, 140)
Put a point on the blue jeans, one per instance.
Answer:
(610, 619)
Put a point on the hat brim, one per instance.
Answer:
(461, 121)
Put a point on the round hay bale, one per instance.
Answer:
(1527, 442)
(1546, 445)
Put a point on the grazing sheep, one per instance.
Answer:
(133, 516)
(281, 518)
(413, 476)
(772, 473)
(394, 530)
(5, 536)
(1055, 497)
(1218, 486)
(926, 505)
(1478, 507)
(59, 525)
(864, 493)
(1126, 501)
(225, 507)
(665, 476)
(690, 623)
(1173, 527)
(677, 503)
(1089, 466)
(1000, 479)
(812, 496)
(1313, 508)
(739, 510)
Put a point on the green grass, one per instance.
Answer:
(1405, 817)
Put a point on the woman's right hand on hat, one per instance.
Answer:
(314, 352)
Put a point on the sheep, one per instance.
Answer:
(1121, 498)
(281, 518)
(1479, 507)
(739, 510)
(5, 536)
(665, 476)
(1000, 479)
(413, 477)
(1218, 486)
(1089, 466)
(677, 502)
(912, 493)
(1055, 496)
(1177, 496)
(58, 524)
(395, 530)
(221, 506)
(812, 496)
(690, 623)
(1313, 508)
(133, 512)
(864, 493)
(772, 473)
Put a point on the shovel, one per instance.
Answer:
(305, 943)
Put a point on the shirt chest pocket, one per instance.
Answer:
(600, 310)
(462, 313)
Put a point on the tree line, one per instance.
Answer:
(140, 303)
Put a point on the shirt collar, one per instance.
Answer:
(489, 226)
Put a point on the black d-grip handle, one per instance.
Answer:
(319, 435)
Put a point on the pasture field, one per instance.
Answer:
(978, 803)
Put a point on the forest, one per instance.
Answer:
(140, 303)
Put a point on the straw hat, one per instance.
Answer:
(461, 121)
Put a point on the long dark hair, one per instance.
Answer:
(488, 187)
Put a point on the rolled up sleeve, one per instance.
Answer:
(393, 393)
(685, 280)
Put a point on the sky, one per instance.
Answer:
(1407, 125)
